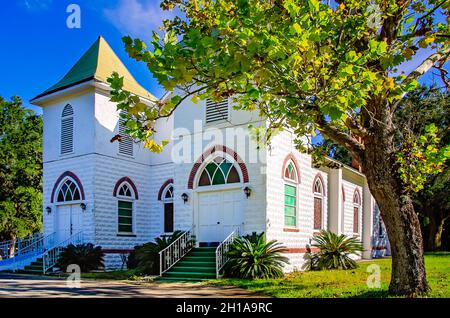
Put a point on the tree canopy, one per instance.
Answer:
(310, 65)
(20, 170)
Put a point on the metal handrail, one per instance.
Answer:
(169, 256)
(223, 249)
(29, 253)
(50, 256)
(19, 245)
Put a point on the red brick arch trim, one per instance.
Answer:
(291, 157)
(130, 182)
(324, 185)
(209, 152)
(165, 184)
(74, 178)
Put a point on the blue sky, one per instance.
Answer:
(38, 48)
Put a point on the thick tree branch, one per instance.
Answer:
(350, 143)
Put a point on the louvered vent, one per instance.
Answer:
(125, 143)
(216, 111)
(67, 130)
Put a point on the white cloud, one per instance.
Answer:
(35, 5)
(137, 18)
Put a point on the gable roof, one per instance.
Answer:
(98, 63)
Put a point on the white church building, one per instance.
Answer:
(210, 179)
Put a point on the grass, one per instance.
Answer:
(341, 283)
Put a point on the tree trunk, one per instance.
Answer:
(12, 246)
(436, 227)
(396, 208)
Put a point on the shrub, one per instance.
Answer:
(254, 237)
(335, 251)
(145, 258)
(257, 259)
(87, 256)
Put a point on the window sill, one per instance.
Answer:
(290, 229)
(125, 156)
(126, 235)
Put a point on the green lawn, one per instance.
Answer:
(340, 283)
(112, 275)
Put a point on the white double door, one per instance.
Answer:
(68, 221)
(220, 212)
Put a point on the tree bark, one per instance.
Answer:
(12, 246)
(402, 223)
(435, 229)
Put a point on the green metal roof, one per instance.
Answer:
(99, 62)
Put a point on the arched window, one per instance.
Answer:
(69, 191)
(290, 195)
(125, 202)
(217, 172)
(318, 190)
(356, 211)
(67, 130)
(167, 199)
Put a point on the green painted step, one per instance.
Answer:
(198, 265)
(178, 280)
(194, 263)
(189, 275)
(199, 258)
(198, 269)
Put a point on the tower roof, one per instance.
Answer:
(98, 63)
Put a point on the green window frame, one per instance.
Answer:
(125, 216)
(290, 205)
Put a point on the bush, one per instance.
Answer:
(335, 251)
(254, 237)
(257, 259)
(87, 256)
(145, 258)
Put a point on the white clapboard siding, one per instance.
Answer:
(67, 130)
(217, 111)
(125, 143)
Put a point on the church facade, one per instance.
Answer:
(212, 178)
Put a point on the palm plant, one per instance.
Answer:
(335, 251)
(145, 258)
(256, 259)
(87, 256)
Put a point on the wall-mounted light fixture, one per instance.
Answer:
(247, 191)
(48, 210)
(185, 197)
(83, 206)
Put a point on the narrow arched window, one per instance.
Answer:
(219, 171)
(125, 141)
(68, 191)
(318, 191)
(290, 195)
(168, 209)
(67, 119)
(125, 202)
(356, 211)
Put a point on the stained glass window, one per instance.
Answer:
(219, 171)
(318, 187)
(290, 172)
(69, 191)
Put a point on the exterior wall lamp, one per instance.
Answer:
(83, 206)
(48, 210)
(248, 192)
(185, 197)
